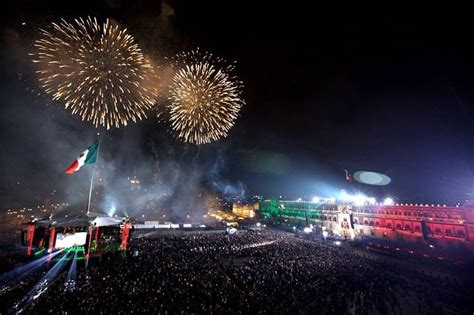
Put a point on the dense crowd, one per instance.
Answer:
(250, 272)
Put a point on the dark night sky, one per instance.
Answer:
(385, 89)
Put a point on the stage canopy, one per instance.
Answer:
(82, 220)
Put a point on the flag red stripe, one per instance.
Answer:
(72, 168)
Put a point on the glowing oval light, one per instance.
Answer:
(371, 178)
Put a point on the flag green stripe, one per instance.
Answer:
(92, 153)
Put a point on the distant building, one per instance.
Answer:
(245, 210)
(215, 203)
(444, 225)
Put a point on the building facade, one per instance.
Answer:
(440, 224)
(245, 210)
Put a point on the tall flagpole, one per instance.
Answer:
(90, 189)
(92, 177)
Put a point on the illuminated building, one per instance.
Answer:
(215, 203)
(443, 225)
(244, 210)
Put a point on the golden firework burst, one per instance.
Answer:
(96, 70)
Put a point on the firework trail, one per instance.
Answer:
(96, 70)
(205, 98)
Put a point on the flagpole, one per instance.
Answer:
(90, 189)
(92, 177)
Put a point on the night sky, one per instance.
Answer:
(386, 89)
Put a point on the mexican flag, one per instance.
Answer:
(88, 156)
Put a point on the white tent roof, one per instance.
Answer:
(106, 221)
(84, 220)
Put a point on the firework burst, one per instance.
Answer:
(97, 70)
(205, 99)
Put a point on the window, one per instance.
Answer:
(389, 225)
(460, 233)
(371, 223)
(438, 230)
(366, 222)
(417, 228)
(399, 226)
(449, 232)
(377, 223)
(408, 227)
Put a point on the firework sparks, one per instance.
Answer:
(97, 70)
(205, 99)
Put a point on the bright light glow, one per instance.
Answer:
(332, 200)
(344, 196)
(337, 243)
(299, 199)
(307, 230)
(388, 201)
(112, 209)
(258, 224)
(325, 234)
(70, 240)
(294, 228)
(316, 199)
(359, 200)
(231, 230)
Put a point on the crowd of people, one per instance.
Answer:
(265, 271)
